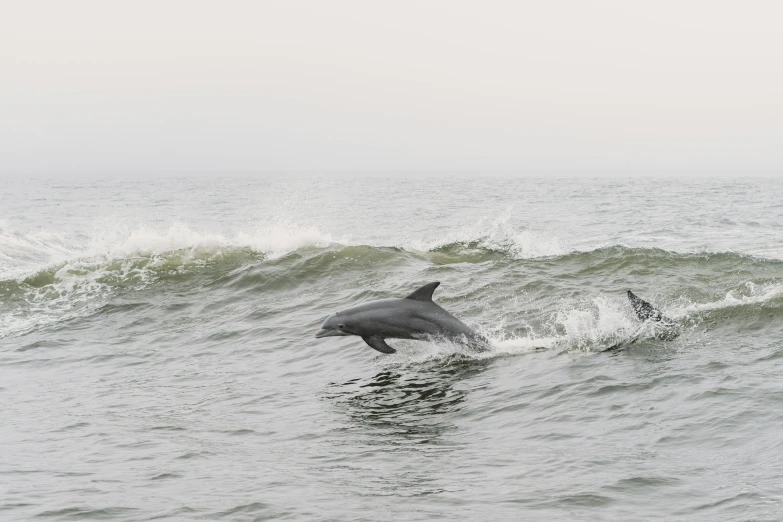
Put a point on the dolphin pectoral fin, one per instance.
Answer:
(377, 342)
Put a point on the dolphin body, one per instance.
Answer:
(413, 317)
(664, 328)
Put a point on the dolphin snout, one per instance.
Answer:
(330, 332)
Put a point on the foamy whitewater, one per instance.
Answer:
(158, 359)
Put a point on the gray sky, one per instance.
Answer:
(180, 86)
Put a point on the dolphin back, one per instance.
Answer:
(447, 325)
(666, 328)
(644, 310)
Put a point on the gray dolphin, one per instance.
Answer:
(413, 317)
(666, 328)
(663, 328)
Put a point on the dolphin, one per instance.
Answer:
(413, 317)
(666, 329)
(663, 328)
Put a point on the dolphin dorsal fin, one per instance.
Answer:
(424, 293)
(643, 309)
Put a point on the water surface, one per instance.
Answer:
(157, 358)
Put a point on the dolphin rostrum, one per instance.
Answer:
(413, 317)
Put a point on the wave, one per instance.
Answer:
(488, 236)
(22, 254)
(145, 257)
(47, 277)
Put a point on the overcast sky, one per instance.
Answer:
(585, 86)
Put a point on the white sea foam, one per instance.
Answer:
(587, 326)
(82, 266)
(275, 240)
(750, 293)
(24, 253)
(497, 234)
(595, 323)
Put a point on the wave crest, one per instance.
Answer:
(495, 236)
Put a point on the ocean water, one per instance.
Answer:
(157, 359)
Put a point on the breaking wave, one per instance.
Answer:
(46, 278)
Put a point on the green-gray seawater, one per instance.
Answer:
(157, 358)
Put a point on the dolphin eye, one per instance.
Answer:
(340, 326)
